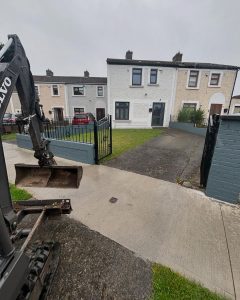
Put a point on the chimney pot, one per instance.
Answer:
(177, 57)
(49, 72)
(129, 54)
(86, 73)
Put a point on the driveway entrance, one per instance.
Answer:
(172, 156)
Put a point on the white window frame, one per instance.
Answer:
(38, 86)
(236, 104)
(130, 81)
(84, 108)
(58, 90)
(149, 77)
(199, 79)
(97, 91)
(79, 86)
(220, 79)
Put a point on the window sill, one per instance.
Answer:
(55, 95)
(78, 95)
(136, 86)
(122, 121)
(192, 88)
(153, 84)
(100, 96)
(214, 86)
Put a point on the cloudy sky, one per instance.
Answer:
(69, 36)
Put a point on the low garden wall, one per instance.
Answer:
(188, 127)
(80, 152)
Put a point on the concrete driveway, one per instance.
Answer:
(158, 220)
(173, 155)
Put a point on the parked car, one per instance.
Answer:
(9, 118)
(83, 119)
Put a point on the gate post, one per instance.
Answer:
(110, 126)
(96, 141)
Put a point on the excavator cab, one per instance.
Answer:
(15, 72)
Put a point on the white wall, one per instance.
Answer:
(89, 101)
(140, 98)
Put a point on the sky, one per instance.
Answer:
(70, 36)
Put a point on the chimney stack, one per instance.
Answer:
(86, 73)
(177, 57)
(129, 54)
(49, 72)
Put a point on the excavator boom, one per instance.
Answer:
(15, 72)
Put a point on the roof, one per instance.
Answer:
(236, 97)
(69, 79)
(171, 64)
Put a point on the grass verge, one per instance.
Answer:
(19, 194)
(9, 137)
(171, 285)
(126, 139)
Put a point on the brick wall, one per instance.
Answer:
(204, 95)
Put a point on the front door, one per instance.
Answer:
(158, 113)
(58, 113)
(215, 109)
(100, 113)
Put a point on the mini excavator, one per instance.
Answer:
(27, 274)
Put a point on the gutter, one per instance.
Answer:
(232, 91)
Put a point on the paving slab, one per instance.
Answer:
(231, 218)
(158, 220)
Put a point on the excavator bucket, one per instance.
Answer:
(52, 176)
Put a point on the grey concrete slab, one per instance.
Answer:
(231, 217)
(159, 220)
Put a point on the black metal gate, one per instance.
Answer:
(103, 138)
(208, 150)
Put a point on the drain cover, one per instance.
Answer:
(113, 200)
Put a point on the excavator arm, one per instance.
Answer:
(15, 71)
(25, 275)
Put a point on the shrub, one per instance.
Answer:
(199, 117)
(185, 115)
(188, 115)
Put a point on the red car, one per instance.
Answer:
(83, 119)
(9, 119)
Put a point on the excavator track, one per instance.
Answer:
(42, 267)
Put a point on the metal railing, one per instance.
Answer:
(98, 133)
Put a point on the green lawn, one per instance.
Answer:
(9, 137)
(19, 194)
(168, 285)
(126, 139)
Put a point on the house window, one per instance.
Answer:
(100, 91)
(236, 109)
(190, 106)
(55, 90)
(193, 78)
(121, 110)
(78, 91)
(215, 79)
(136, 76)
(153, 76)
(37, 90)
(78, 110)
